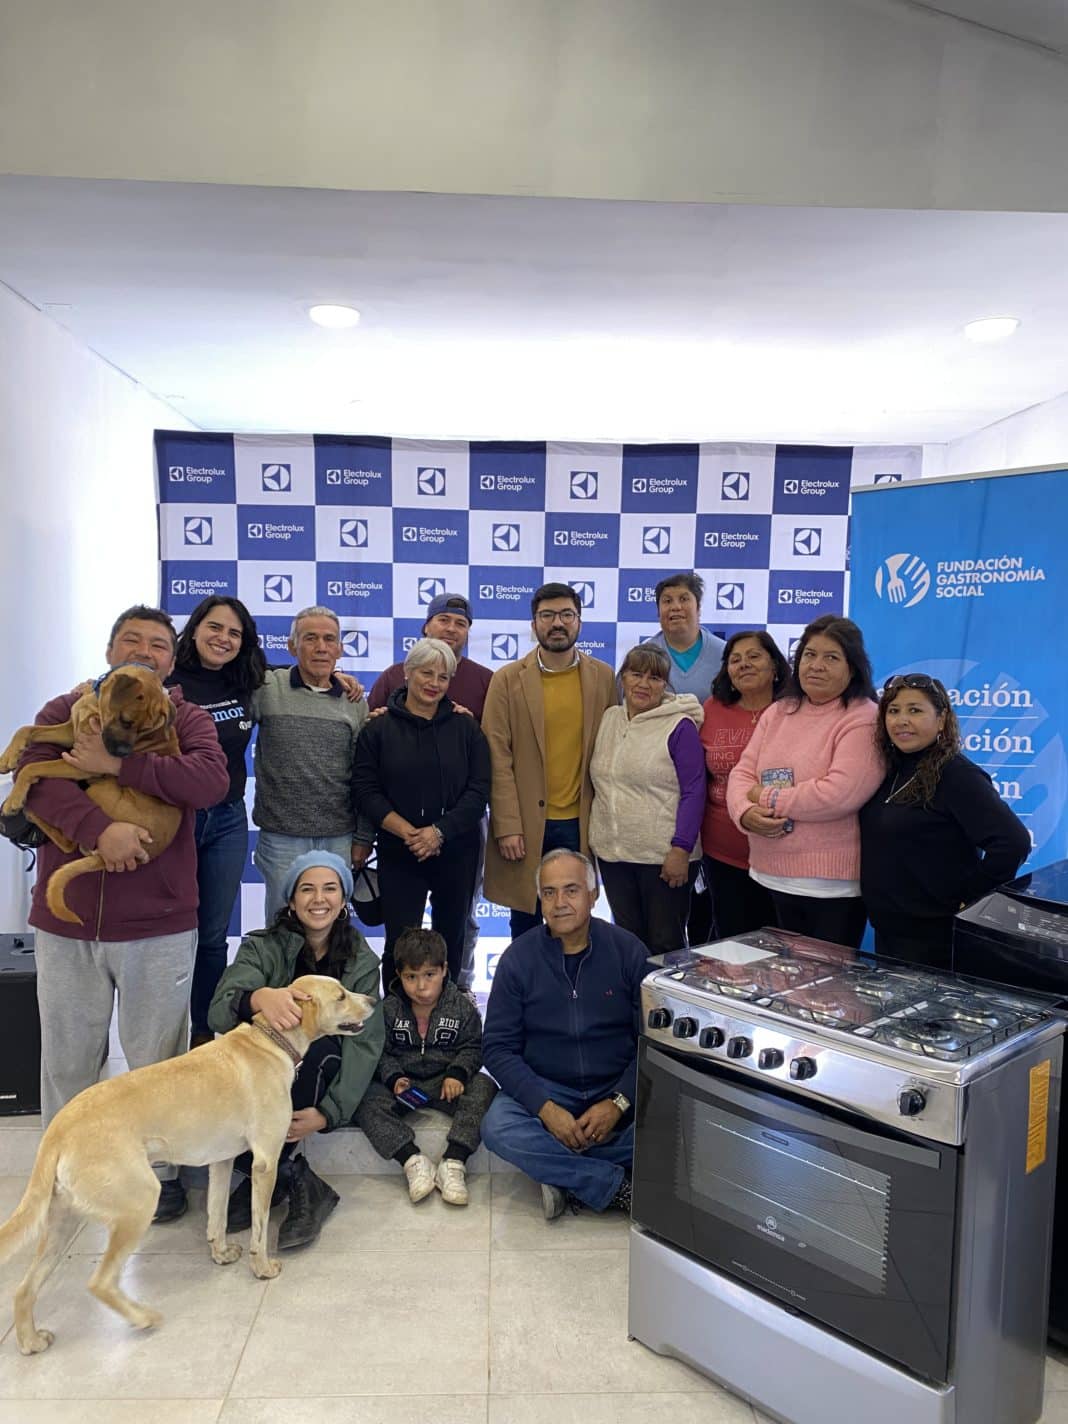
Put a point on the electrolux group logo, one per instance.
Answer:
(733, 541)
(430, 480)
(808, 541)
(903, 579)
(504, 647)
(505, 538)
(276, 479)
(441, 535)
(586, 591)
(197, 529)
(730, 597)
(427, 589)
(352, 533)
(887, 477)
(734, 484)
(656, 539)
(583, 484)
(277, 588)
(355, 643)
(176, 474)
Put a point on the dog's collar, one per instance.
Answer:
(105, 675)
(276, 1037)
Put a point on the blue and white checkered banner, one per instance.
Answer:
(375, 528)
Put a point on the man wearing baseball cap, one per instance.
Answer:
(448, 617)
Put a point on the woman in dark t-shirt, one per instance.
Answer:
(219, 665)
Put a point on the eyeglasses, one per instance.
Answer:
(566, 616)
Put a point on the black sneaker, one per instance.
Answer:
(311, 1200)
(239, 1210)
(621, 1200)
(172, 1202)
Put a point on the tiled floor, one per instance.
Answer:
(399, 1315)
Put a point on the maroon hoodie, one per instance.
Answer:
(158, 898)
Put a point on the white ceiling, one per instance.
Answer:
(546, 318)
(1043, 22)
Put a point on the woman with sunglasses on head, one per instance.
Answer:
(752, 675)
(809, 767)
(648, 774)
(936, 834)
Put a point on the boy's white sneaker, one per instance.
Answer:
(420, 1173)
(451, 1181)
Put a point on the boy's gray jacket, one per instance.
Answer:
(268, 959)
(452, 1047)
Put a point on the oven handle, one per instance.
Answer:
(800, 1118)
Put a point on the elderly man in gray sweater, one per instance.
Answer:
(303, 765)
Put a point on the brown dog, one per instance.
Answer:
(133, 713)
(200, 1109)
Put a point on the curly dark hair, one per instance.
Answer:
(248, 669)
(920, 789)
(342, 944)
(723, 690)
(851, 641)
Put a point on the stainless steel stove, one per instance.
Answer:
(848, 1166)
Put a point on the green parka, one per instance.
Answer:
(267, 959)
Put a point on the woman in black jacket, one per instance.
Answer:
(421, 774)
(936, 835)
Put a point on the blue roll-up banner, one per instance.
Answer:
(967, 580)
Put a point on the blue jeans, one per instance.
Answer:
(275, 853)
(559, 835)
(594, 1175)
(221, 836)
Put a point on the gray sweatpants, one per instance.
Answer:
(77, 981)
(388, 1126)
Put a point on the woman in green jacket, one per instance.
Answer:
(312, 934)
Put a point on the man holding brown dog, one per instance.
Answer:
(139, 930)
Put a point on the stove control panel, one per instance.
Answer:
(797, 1056)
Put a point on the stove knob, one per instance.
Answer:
(711, 1037)
(659, 1018)
(802, 1068)
(684, 1028)
(739, 1047)
(770, 1058)
(911, 1102)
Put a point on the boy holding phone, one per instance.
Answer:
(432, 1057)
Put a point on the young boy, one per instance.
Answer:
(433, 1044)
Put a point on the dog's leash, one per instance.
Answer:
(276, 1037)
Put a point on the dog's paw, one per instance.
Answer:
(225, 1255)
(265, 1268)
(141, 1317)
(35, 1343)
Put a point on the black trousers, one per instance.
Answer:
(738, 902)
(646, 905)
(927, 943)
(838, 921)
(404, 884)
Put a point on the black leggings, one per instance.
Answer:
(404, 884)
(315, 1074)
(838, 921)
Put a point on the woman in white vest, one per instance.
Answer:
(648, 773)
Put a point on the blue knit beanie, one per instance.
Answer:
(324, 858)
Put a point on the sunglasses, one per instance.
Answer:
(919, 681)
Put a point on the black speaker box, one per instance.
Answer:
(20, 1027)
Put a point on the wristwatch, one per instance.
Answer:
(622, 1102)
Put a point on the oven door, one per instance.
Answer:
(850, 1224)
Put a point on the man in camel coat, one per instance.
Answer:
(541, 719)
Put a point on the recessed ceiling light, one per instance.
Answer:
(991, 328)
(335, 317)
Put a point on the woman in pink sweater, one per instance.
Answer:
(811, 764)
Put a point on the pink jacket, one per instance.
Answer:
(831, 753)
(159, 898)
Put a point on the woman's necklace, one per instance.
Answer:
(895, 788)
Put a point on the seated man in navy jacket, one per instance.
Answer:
(561, 1038)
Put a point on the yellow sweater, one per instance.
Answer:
(562, 696)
